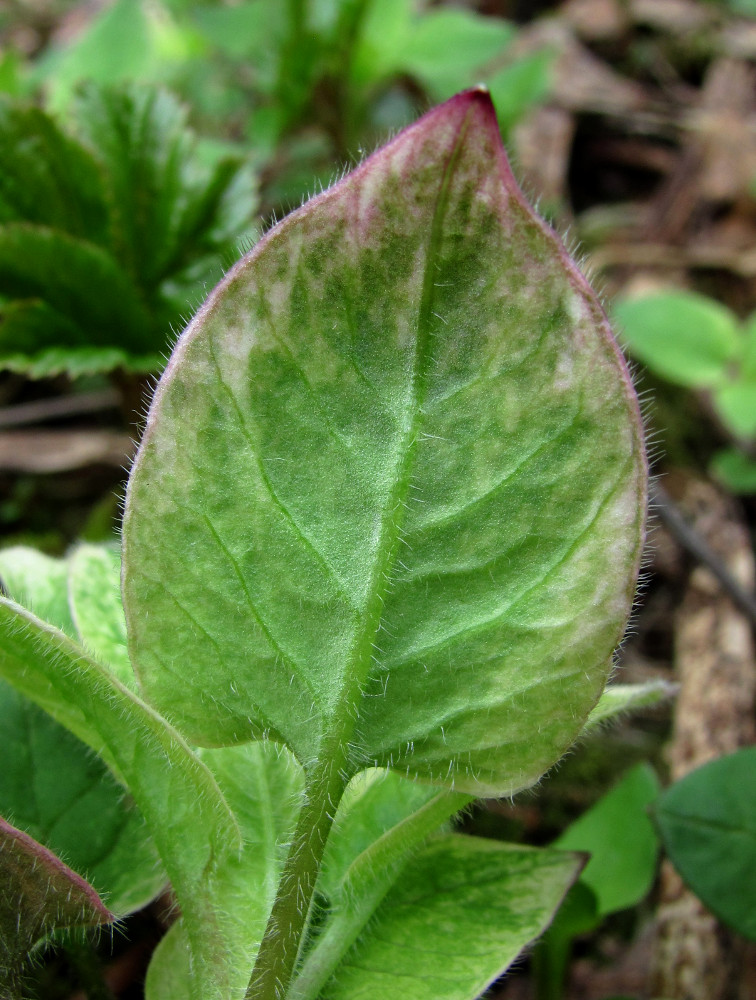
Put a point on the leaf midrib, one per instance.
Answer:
(340, 725)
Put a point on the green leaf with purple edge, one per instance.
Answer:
(389, 504)
(40, 895)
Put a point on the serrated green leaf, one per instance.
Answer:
(40, 894)
(707, 821)
(91, 292)
(171, 787)
(404, 366)
(459, 915)
(46, 178)
(685, 337)
(139, 136)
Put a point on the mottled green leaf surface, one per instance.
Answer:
(459, 915)
(398, 461)
(39, 895)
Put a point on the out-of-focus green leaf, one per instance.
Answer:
(577, 915)
(46, 177)
(622, 842)
(617, 699)
(39, 895)
(707, 821)
(685, 337)
(109, 241)
(736, 404)
(117, 46)
(448, 49)
(735, 470)
(81, 282)
(618, 835)
(519, 86)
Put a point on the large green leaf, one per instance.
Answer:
(389, 502)
(40, 894)
(707, 821)
(461, 912)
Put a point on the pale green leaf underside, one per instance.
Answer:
(392, 486)
(619, 699)
(461, 912)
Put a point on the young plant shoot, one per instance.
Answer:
(381, 539)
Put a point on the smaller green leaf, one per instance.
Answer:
(735, 469)
(618, 699)
(519, 86)
(621, 840)
(40, 894)
(39, 582)
(94, 588)
(382, 822)
(171, 786)
(447, 47)
(58, 792)
(458, 916)
(707, 821)
(736, 405)
(685, 337)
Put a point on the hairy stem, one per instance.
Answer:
(276, 960)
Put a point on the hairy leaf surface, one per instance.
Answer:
(172, 788)
(459, 915)
(40, 894)
(389, 502)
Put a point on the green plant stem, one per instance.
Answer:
(279, 950)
